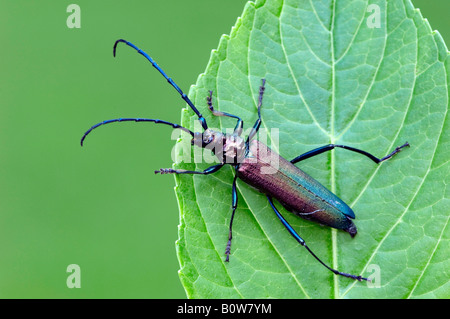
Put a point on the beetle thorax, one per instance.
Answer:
(229, 148)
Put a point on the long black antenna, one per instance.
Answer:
(135, 120)
(171, 82)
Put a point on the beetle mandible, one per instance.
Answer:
(294, 189)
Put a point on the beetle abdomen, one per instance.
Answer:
(294, 189)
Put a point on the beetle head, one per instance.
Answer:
(208, 139)
(229, 148)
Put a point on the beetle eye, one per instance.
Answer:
(207, 139)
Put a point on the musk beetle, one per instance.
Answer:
(298, 192)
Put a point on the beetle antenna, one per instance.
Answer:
(176, 126)
(171, 82)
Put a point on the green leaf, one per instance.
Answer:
(330, 79)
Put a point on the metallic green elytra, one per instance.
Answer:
(294, 189)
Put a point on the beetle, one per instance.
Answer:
(298, 192)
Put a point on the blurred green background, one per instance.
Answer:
(100, 206)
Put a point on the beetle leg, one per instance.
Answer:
(209, 170)
(302, 242)
(239, 124)
(234, 202)
(329, 147)
(258, 121)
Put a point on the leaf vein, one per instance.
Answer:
(288, 64)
